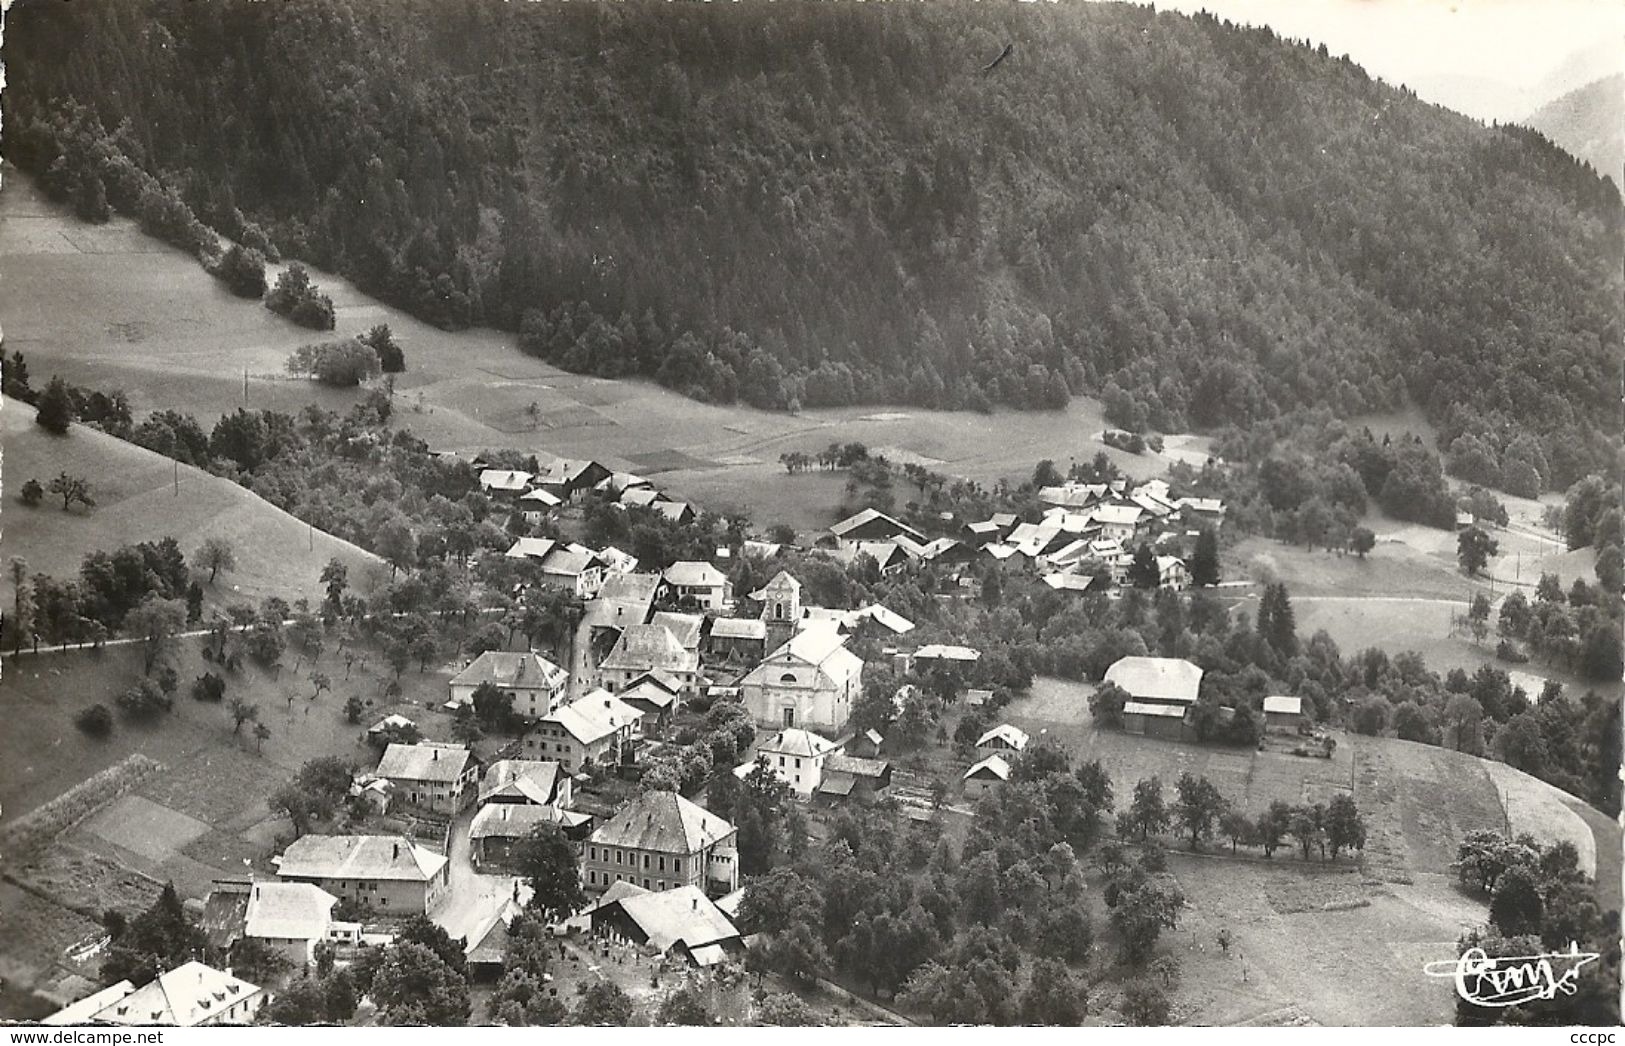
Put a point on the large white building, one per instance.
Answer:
(810, 682)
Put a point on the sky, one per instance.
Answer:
(1492, 59)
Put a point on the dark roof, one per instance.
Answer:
(225, 912)
(847, 764)
(837, 783)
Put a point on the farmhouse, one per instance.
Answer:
(657, 695)
(435, 777)
(537, 505)
(663, 840)
(598, 728)
(986, 776)
(193, 995)
(872, 525)
(381, 872)
(1119, 522)
(1154, 720)
(797, 756)
(525, 782)
(674, 511)
(1209, 511)
(682, 921)
(1157, 680)
(1070, 583)
(537, 684)
(638, 497)
(504, 483)
(1284, 715)
(499, 827)
(290, 918)
(737, 639)
(1003, 740)
(847, 777)
(699, 583)
(565, 479)
(888, 555)
(810, 681)
(1172, 573)
(650, 648)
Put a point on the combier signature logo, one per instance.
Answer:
(1508, 980)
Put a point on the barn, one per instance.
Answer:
(1152, 720)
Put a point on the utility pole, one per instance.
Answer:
(177, 465)
(245, 384)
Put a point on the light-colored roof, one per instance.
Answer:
(541, 497)
(882, 552)
(1032, 538)
(618, 889)
(673, 510)
(1125, 515)
(516, 820)
(1011, 737)
(1211, 506)
(1069, 582)
(1167, 563)
(684, 914)
(1165, 711)
(685, 628)
(649, 692)
(869, 515)
(814, 646)
(564, 471)
(850, 764)
(622, 481)
(664, 822)
(999, 551)
(639, 497)
(503, 479)
(292, 911)
(946, 652)
(1072, 495)
(782, 579)
(693, 573)
(82, 1011)
(618, 561)
(1157, 678)
(794, 742)
(184, 997)
(393, 720)
(423, 762)
(595, 716)
(886, 617)
(994, 765)
(530, 548)
(739, 628)
(533, 780)
(624, 600)
(516, 670)
(1153, 505)
(643, 647)
(569, 561)
(765, 549)
(1284, 705)
(820, 647)
(381, 857)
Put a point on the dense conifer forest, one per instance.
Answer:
(813, 204)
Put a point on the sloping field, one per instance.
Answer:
(137, 499)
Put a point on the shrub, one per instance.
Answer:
(209, 687)
(1507, 650)
(33, 492)
(242, 271)
(96, 720)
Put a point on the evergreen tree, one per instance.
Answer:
(55, 411)
(1205, 559)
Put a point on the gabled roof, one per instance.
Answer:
(624, 600)
(1284, 705)
(639, 497)
(685, 628)
(739, 628)
(795, 742)
(592, 718)
(664, 822)
(848, 764)
(395, 720)
(946, 652)
(882, 552)
(530, 548)
(516, 670)
(1009, 736)
(540, 497)
(619, 481)
(675, 511)
(517, 820)
(1165, 679)
(489, 946)
(565, 471)
(886, 617)
(618, 889)
(618, 561)
(684, 915)
(1069, 582)
(1122, 515)
(224, 910)
(1207, 506)
(1167, 563)
(694, 573)
(993, 765)
(569, 561)
(85, 1009)
(505, 480)
(1153, 505)
(869, 515)
(782, 579)
(532, 780)
(645, 647)
(765, 549)
(292, 911)
(423, 762)
(184, 997)
(381, 857)
(646, 690)
(986, 526)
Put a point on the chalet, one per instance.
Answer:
(811, 682)
(290, 919)
(699, 583)
(986, 776)
(504, 483)
(486, 956)
(537, 505)
(1155, 505)
(940, 654)
(948, 551)
(638, 497)
(192, 995)
(598, 729)
(878, 619)
(435, 777)
(575, 568)
(1003, 740)
(1206, 511)
(536, 684)
(530, 548)
(797, 756)
(624, 600)
(525, 782)
(1073, 495)
(1284, 715)
(1033, 540)
(499, 827)
(225, 910)
(566, 479)
(687, 629)
(737, 639)
(985, 532)
(1172, 573)
(666, 841)
(616, 562)
(888, 555)
(389, 874)
(1073, 584)
(620, 482)
(682, 921)
(872, 525)
(650, 648)
(849, 777)
(674, 511)
(1154, 720)
(1119, 522)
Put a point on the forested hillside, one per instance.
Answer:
(809, 204)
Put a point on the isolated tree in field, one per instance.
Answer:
(156, 622)
(335, 578)
(1147, 812)
(241, 712)
(96, 720)
(1205, 559)
(1238, 828)
(1478, 617)
(144, 700)
(54, 412)
(1345, 827)
(32, 493)
(1474, 548)
(1197, 807)
(353, 708)
(262, 733)
(242, 270)
(1224, 939)
(547, 860)
(72, 489)
(214, 555)
(208, 687)
(1362, 541)
(321, 681)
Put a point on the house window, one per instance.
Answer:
(617, 857)
(789, 717)
(645, 862)
(781, 760)
(592, 878)
(798, 764)
(593, 852)
(677, 865)
(662, 864)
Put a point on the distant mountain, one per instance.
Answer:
(817, 204)
(1590, 123)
